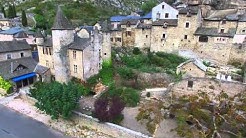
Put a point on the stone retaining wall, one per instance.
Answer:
(107, 128)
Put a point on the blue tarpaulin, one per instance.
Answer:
(26, 76)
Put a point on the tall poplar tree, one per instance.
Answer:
(23, 18)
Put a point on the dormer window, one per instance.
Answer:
(128, 24)
(165, 25)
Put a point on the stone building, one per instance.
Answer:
(192, 68)
(73, 53)
(214, 35)
(17, 64)
(212, 87)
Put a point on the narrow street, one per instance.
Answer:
(16, 125)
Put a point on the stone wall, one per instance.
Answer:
(128, 40)
(191, 70)
(44, 58)
(15, 55)
(93, 123)
(114, 36)
(61, 39)
(142, 38)
(106, 47)
(108, 128)
(210, 86)
(76, 60)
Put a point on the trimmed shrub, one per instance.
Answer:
(136, 51)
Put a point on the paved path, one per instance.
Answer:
(15, 125)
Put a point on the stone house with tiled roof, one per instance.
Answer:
(73, 52)
(17, 64)
(216, 35)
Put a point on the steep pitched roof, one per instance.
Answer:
(80, 43)
(10, 46)
(61, 22)
(6, 69)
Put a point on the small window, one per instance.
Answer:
(74, 54)
(50, 51)
(243, 31)
(163, 6)
(177, 16)
(47, 63)
(166, 15)
(8, 56)
(128, 33)
(190, 84)
(75, 68)
(185, 36)
(128, 24)
(203, 39)
(105, 54)
(118, 39)
(43, 50)
(22, 54)
(146, 36)
(163, 36)
(222, 30)
(158, 16)
(112, 39)
(223, 22)
(187, 25)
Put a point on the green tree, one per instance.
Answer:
(23, 18)
(57, 99)
(10, 12)
(3, 11)
(14, 10)
(147, 6)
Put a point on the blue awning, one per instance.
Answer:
(26, 76)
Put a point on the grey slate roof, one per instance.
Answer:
(40, 69)
(38, 34)
(61, 22)
(131, 21)
(196, 62)
(189, 9)
(80, 43)
(48, 42)
(105, 26)
(170, 22)
(242, 18)
(144, 26)
(10, 46)
(214, 32)
(21, 35)
(5, 70)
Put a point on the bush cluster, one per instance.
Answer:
(6, 85)
(57, 99)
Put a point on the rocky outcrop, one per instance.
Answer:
(154, 80)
